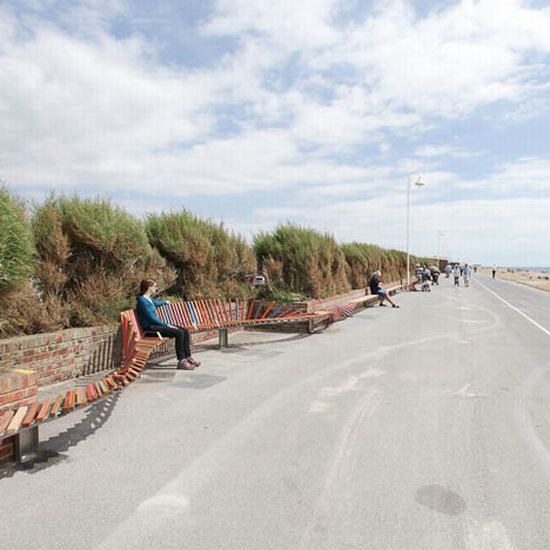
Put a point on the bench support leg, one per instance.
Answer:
(223, 338)
(27, 445)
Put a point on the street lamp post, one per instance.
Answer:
(417, 183)
(439, 235)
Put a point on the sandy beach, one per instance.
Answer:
(535, 279)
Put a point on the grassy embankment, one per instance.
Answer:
(72, 262)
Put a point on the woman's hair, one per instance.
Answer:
(144, 286)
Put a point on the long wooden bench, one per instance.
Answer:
(202, 316)
(348, 308)
(23, 422)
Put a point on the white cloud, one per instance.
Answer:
(296, 25)
(76, 110)
(321, 107)
(450, 62)
(528, 176)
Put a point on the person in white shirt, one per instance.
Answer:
(466, 273)
(456, 274)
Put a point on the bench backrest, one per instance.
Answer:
(215, 313)
(210, 314)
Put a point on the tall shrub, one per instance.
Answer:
(16, 243)
(20, 307)
(302, 260)
(92, 256)
(357, 258)
(209, 260)
(364, 259)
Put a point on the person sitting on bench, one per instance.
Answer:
(375, 285)
(150, 322)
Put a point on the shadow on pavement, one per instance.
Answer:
(51, 450)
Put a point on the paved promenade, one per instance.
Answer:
(422, 428)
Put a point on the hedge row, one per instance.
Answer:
(78, 262)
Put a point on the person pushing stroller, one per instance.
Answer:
(426, 278)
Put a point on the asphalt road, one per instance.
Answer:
(426, 427)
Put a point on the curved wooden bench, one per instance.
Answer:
(201, 316)
(23, 422)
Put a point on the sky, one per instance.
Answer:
(317, 112)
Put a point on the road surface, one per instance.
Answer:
(425, 427)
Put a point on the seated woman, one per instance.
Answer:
(149, 320)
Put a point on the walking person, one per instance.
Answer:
(147, 314)
(376, 289)
(494, 272)
(466, 273)
(435, 274)
(456, 274)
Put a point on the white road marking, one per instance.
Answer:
(349, 385)
(318, 406)
(517, 310)
(464, 391)
(372, 373)
(157, 503)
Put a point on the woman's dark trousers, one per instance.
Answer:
(183, 346)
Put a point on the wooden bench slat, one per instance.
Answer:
(17, 420)
(80, 397)
(90, 392)
(111, 382)
(31, 414)
(68, 403)
(98, 391)
(5, 420)
(57, 405)
(44, 410)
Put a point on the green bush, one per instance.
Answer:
(209, 260)
(16, 243)
(364, 259)
(79, 262)
(302, 260)
(92, 256)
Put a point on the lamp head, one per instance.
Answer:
(419, 182)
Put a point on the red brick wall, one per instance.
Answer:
(6, 449)
(64, 354)
(17, 387)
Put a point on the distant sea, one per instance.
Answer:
(530, 268)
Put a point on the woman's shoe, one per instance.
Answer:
(185, 364)
(194, 362)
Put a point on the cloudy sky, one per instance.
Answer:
(258, 112)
